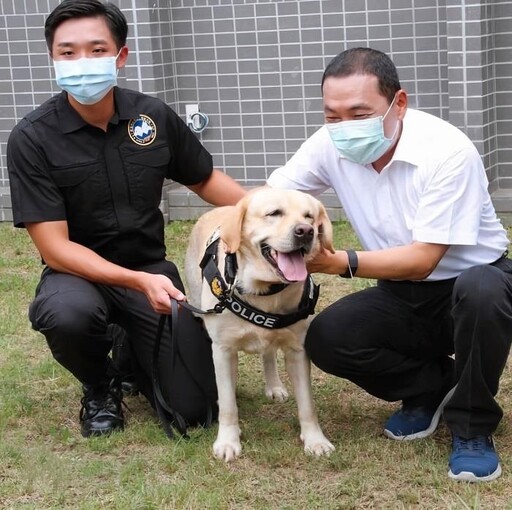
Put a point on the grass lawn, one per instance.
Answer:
(46, 464)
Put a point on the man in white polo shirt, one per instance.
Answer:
(415, 191)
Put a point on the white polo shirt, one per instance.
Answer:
(434, 190)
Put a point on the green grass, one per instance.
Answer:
(46, 464)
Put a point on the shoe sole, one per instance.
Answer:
(92, 432)
(430, 429)
(467, 476)
(100, 433)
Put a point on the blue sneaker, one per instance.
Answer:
(414, 422)
(474, 459)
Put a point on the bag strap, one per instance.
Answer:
(161, 406)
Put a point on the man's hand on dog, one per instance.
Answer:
(329, 263)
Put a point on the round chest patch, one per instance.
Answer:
(142, 131)
(216, 287)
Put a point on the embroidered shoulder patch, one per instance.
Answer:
(142, 130)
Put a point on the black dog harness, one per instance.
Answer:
(224, 290)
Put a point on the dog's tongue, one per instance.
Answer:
(292, 266)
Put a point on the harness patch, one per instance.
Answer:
(259, 318)
(142, 130)
(217, 288)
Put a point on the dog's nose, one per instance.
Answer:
(304, 232)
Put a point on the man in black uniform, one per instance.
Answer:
(86, 173)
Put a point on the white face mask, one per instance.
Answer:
(362, 141)
(88, 80)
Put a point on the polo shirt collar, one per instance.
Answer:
(410, 146)
(125, 107)
(71, 121)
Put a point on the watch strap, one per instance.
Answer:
(353, 263)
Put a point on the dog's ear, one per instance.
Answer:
(325, 230)
(231, 227)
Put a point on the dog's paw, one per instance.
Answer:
(227, 450)
(227, 446)
(318, 446)
(277, 393)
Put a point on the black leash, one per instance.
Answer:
(163, 409)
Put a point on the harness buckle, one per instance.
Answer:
(219, 307)
(231, 287)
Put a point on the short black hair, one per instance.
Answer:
(365, 61)
(71, 9)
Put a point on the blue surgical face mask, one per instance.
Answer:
(88, 80)
(362, 141)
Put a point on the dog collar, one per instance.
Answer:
(274, 288)
(223, 290)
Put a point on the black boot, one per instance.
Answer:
(121, 356)
(102, 411)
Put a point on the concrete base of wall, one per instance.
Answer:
(502, 200)
(5, 205)
(181, 204)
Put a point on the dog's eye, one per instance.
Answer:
(275, 212)
(308, 215)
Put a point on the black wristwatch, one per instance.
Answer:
(352, 265)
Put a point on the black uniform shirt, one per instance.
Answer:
(106, 185)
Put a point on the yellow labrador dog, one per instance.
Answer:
(254, 283)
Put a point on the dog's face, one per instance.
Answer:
(279, 231)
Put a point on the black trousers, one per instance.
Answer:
(397, 341)
(75, 317)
